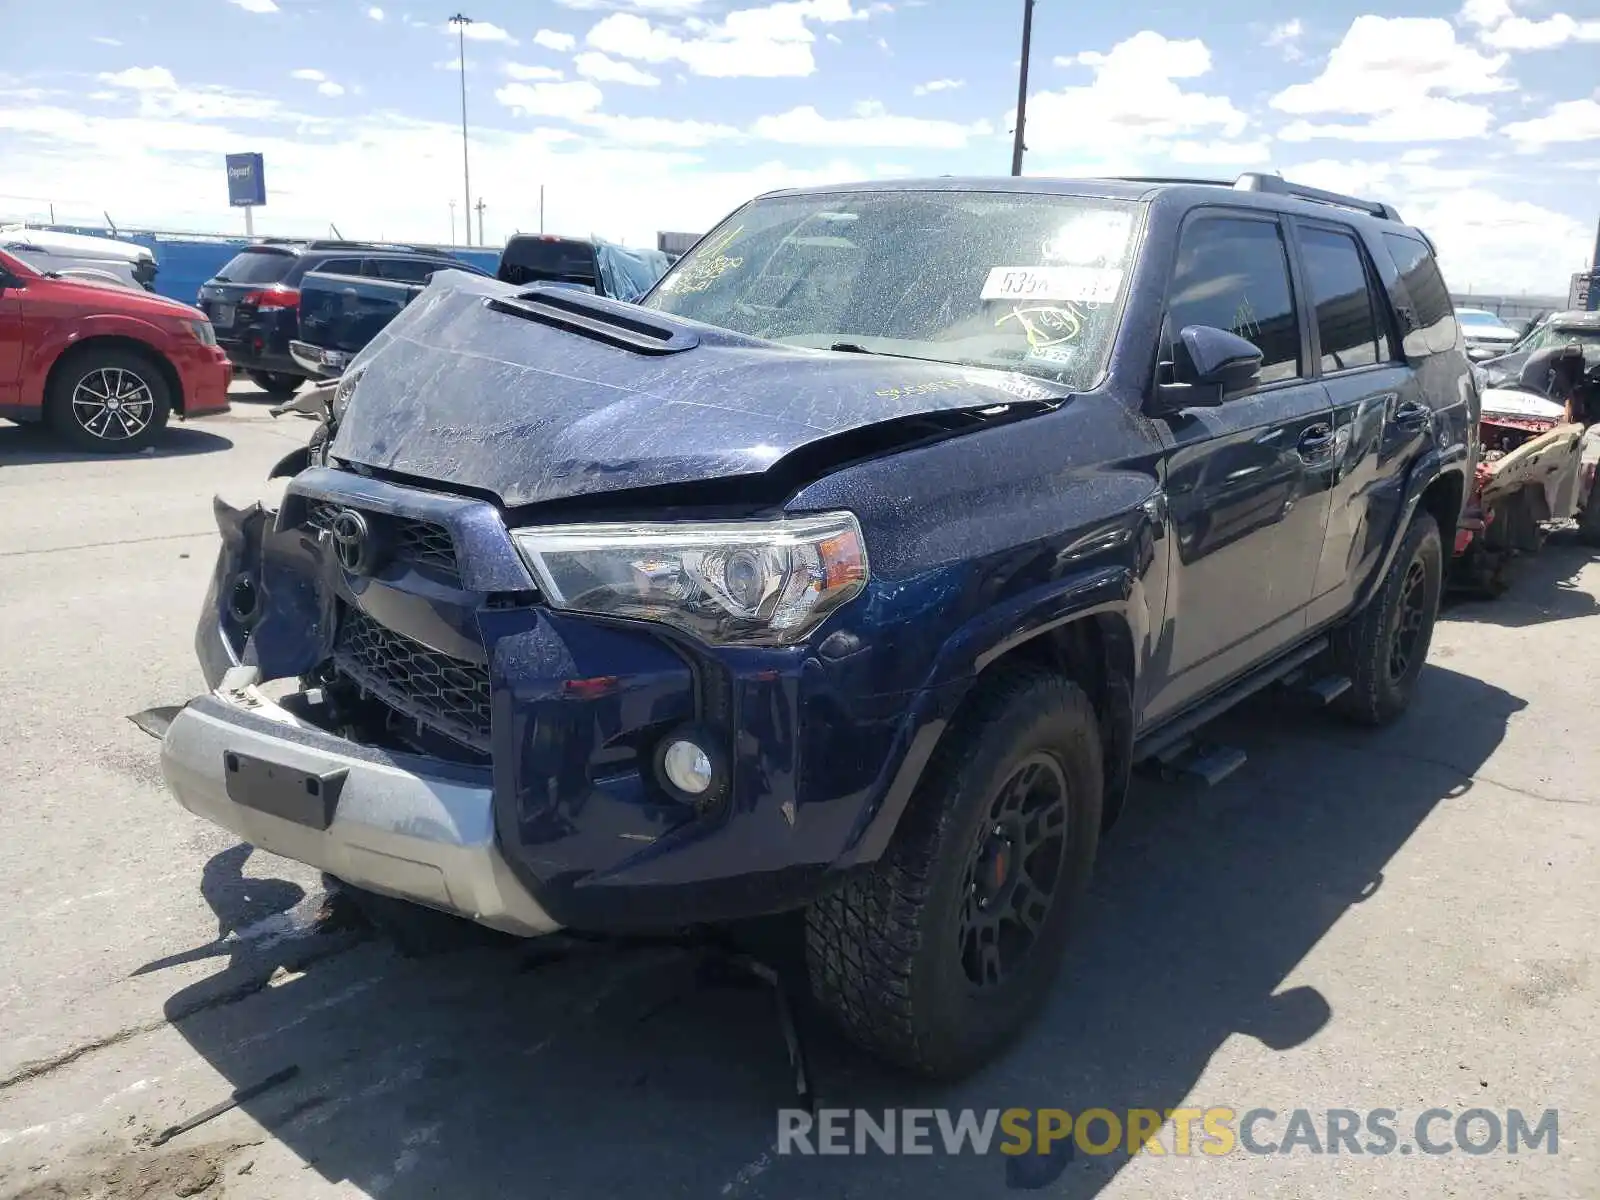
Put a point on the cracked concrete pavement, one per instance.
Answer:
(1395, 920)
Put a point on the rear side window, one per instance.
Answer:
(405, 270)
(1430, 299)
(530, 260)
(1234, 274)
(331, 266)
(256, 266)
(1348, 325)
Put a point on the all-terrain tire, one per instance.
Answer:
(1382, 648)
(107, 400)
(885, 954)
(1589, 515)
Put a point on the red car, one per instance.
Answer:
(104, 365)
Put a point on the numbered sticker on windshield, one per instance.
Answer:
(1082, 285)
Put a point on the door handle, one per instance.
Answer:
(1413, 416)
(1316, 444)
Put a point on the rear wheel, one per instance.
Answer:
(1383, 648)
(109, 401)
(940, 953)
(276, 383)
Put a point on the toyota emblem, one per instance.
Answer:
(351, 540)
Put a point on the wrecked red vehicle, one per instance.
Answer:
(1536, 467)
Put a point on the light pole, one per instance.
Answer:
(452, 222)
(1022, 88)
(460, 21)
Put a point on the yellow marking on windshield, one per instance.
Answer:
(1046, 325)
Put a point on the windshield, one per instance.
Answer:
(1474, 316)
(1019, 282)
(256, 266)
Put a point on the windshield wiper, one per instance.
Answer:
(851, 348)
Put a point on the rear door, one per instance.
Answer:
(1380, 418)
(1246, 481)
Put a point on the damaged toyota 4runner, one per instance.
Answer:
(851, 571)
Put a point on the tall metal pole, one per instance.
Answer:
(1022, 88)
(452, 222)
(461, 22)
(481, 242)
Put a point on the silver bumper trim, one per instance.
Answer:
(426, 839)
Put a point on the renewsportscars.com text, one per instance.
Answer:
(1176, 1131)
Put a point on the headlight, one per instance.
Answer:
(203, 331)
(342, 392)
(752, 582)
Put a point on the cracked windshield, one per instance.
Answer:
(781, 599)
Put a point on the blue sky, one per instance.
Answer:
(1481, 122)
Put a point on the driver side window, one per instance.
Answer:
(1233, 273)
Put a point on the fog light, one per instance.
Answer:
(687, 767)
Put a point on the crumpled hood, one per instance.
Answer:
(457, 392)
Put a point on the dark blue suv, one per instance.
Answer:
(254, 300)
(853, 572)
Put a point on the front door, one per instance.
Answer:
(1246, 482)
(10, 344)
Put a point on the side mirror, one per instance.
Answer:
(1210, 365)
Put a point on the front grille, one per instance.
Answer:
(411, 541)
(448, 695)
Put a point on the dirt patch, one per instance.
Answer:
(133, 1175)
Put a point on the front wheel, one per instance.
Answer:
(109, 401)
(276, 383)
(940, 953)
(1382, 649)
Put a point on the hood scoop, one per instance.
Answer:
(610, 321)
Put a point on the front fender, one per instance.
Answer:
(1114, 590)
(61, 336)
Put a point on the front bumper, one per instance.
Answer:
(417, 830)
(563, 714)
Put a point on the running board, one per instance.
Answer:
(1329, 688)
(1177, 732)
(1199, 763)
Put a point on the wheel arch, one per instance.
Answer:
(129, 345)
(1091, 644)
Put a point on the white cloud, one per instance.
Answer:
(329, 88)
(591, 64)
(550, 99)
(158, 95)
(1499, 26)
(529, 74)
(1485, 13)
(1134, 106)
(1519, 33)
(872, 125)
(771, 42)
(1569, 121)
(325, 86)
(1486, 242)
(375, 13)
(669, 8)
(1233, 154)
(1286, 38)
(108, 41)
(310, 74)
(257, 6)
(551, 40)
(938, 85)
(480, 31)
(141, 79)
(1407, 75)
(657, 131)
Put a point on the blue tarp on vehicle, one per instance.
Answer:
(627, 272)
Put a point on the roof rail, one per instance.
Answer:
(1172, 179)
(344, 244)
(1277, 185)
